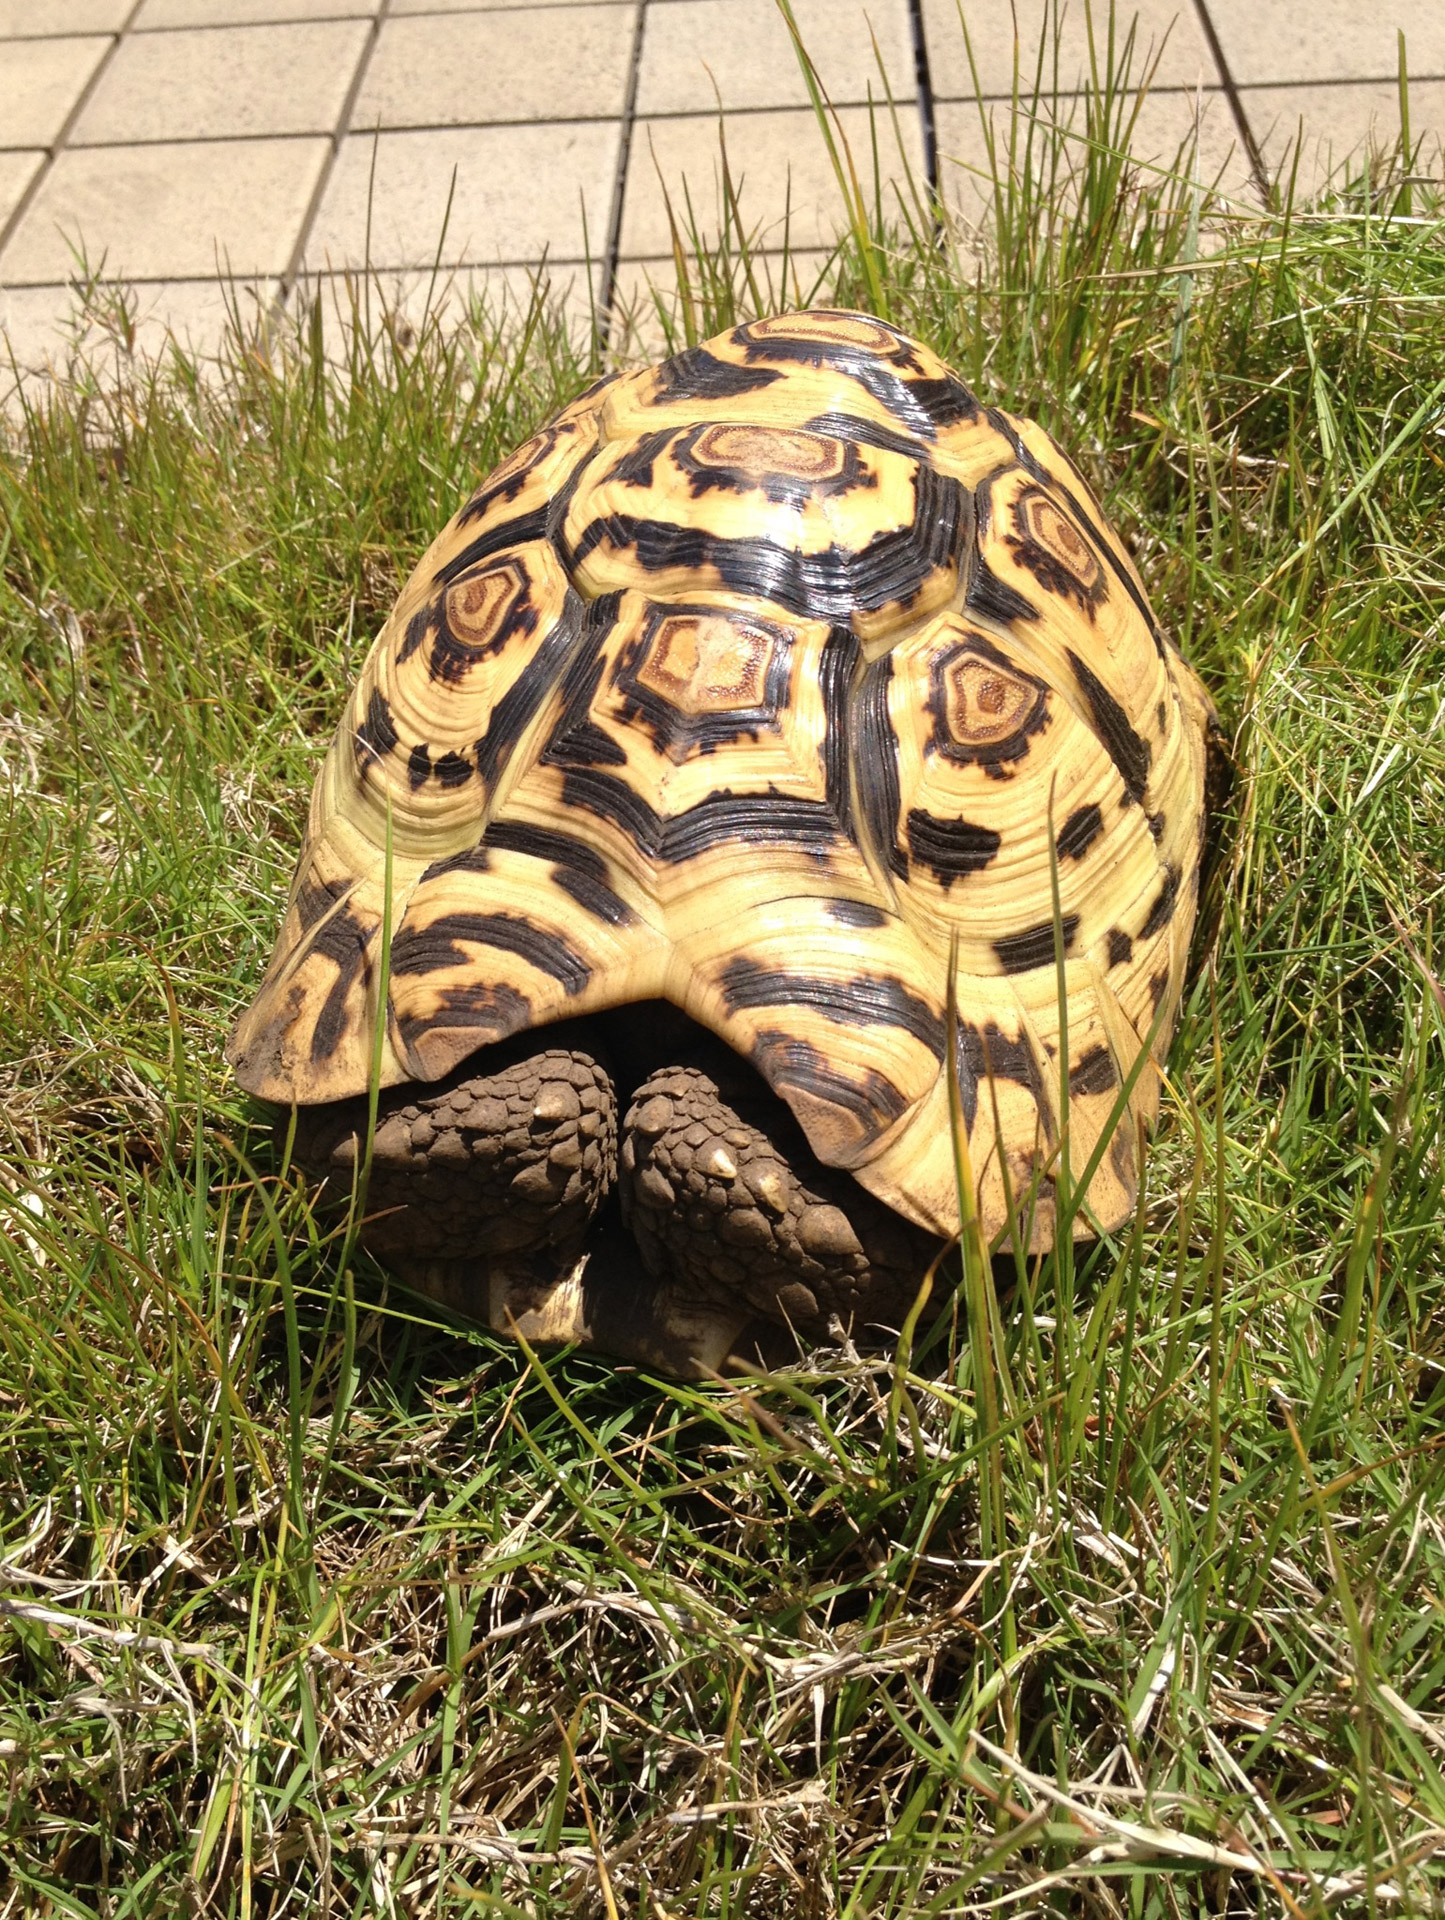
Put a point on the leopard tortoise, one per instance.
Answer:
(737, 700)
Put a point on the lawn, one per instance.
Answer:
(1124, 1594)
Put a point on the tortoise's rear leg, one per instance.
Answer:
(729, 1205)
(482, 1193)
(481, 1188)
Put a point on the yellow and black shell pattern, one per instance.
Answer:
(762, 681)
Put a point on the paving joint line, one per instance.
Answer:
(140, 144)
(1236, 105)
(673, 114)
(923, 80)
(1338, 80)
(362, 16)
(525, 263)
(67, 33)
(328, 166)
(607, 292)
(478, 126)
(322, 20)
(62, 138)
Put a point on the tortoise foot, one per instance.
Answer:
(602, 1300)
(510, 1162)
(725, 1210)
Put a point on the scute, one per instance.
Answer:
(774, 681)
(821, 527)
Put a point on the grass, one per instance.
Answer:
(1123, 1596)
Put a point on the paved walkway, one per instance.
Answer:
(167, 141)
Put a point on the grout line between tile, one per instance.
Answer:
(255, 280)
(532, 262)
(1236, 105)
(1336, 80)
(363, 12)
(190, 140)
(328, 166)
(252, 26)
(471, 126)
(70, 33)
(924, 80)
(607, 291)
(59, 143)
(690, 113)
(1067, 93)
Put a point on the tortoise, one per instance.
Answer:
(758, 691)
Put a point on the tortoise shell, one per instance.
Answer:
(761, 681)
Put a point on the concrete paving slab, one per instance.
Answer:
(1338, 122)
(169, 211)
(205, 83)
(40, 81)
(779, 167)
(697, 51)
(33, 19)
(43, 326)
(1333, 40)
(158, 14)
(485, 69)
(17, 170)
(521, 193)
(1168, 28)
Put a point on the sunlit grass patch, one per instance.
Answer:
(310, 1601)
